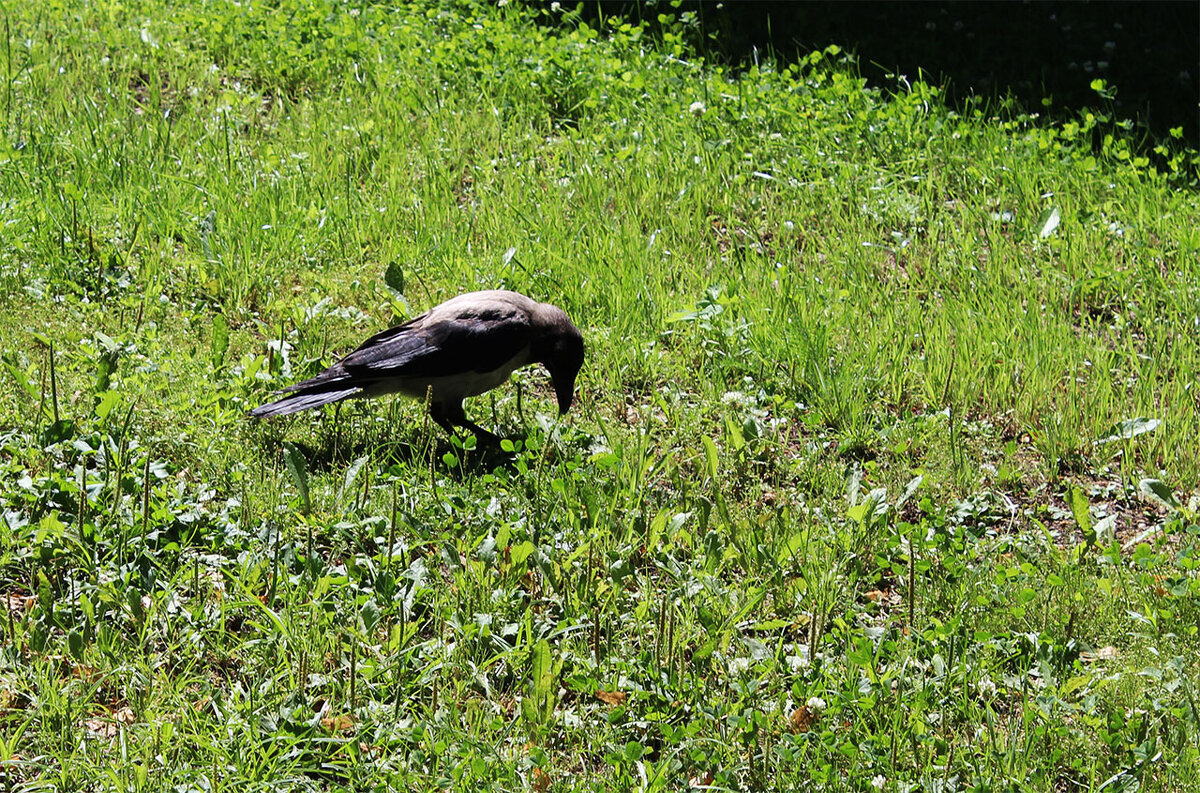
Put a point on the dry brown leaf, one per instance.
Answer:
(802, 719)
(875, 595)
(19, 604)
(124, 716)
(9, 700)
(1103, 654)
(702, 780)
(539, 780)
(101, 728)
(611, 697)
(340, 723)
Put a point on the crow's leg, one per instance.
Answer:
(450, 416)
(437, 412)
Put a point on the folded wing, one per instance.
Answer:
(438, 344)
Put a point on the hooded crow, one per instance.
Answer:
(464, 347)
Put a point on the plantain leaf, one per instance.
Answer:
(75, 645)
(909, 490)
(351, 475)
(1048, 222)
(220, 341)
(394, 277)
(104, 370)
(294, 460)
(538, 706)
(1083, 516)
(1160, 492)
(1130, 428)
(710, 456)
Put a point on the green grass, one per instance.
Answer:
(854, 492)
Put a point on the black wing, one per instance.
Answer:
(437, 347)
(432, 346)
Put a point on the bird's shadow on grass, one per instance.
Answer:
(416, 452)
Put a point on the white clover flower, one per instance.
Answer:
(815, 705)
(879, 781)
(697, 108)
(555, 7)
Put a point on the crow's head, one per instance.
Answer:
(560, 350)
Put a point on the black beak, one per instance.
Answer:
(564, 389)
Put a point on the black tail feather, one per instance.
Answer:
(303, 400)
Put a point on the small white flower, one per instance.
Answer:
(555, 7)
(738, 666)
(815, 705)
(879, 781)
(697, 108)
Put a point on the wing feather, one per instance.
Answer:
(474, 338)
(446, 347)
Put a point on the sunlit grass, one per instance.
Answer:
(852, 490)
